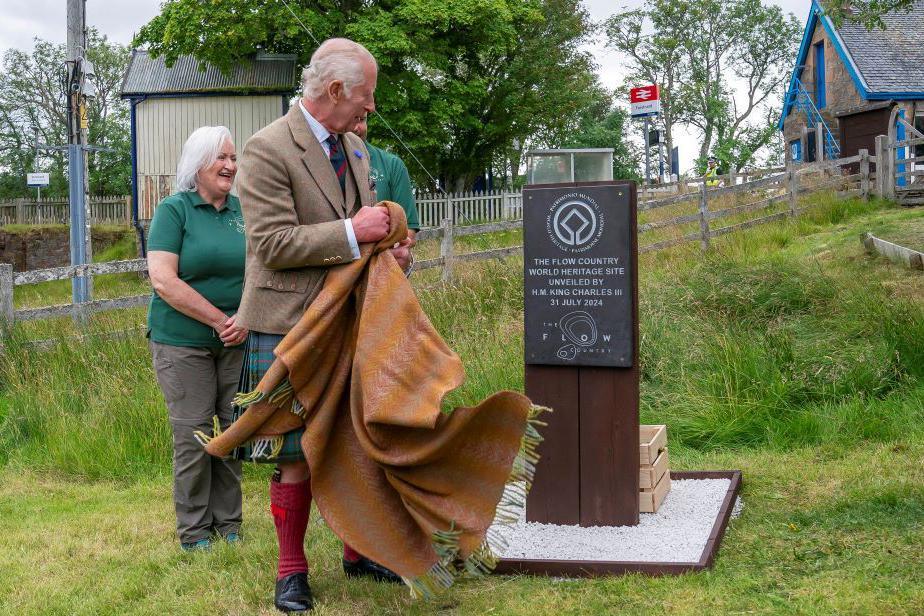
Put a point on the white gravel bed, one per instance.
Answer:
(678, 532)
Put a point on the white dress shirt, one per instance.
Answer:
(322, 134)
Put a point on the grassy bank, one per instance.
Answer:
(785, 351)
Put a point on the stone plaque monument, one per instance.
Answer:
(581, 350)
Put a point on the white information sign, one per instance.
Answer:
(37, 180)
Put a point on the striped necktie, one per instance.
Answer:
(337, 160)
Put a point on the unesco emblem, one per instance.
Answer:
(575, 222)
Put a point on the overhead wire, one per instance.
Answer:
(376, 112)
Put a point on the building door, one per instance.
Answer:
(820, 95)
(900, 180)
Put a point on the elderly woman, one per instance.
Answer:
(196, 263)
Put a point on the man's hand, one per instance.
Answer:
(370, 224)
(231, 333)
(402, 253)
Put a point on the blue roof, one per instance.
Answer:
(883, 64)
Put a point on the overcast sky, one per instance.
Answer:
(21, 20)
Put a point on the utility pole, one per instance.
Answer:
(76, 146)
(35, 167)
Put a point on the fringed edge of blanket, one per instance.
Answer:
(450, 567)
(261, 446)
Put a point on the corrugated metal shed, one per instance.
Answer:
(264, 74)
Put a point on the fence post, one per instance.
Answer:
(20, 211)
(864, 173)
(703, 217)
(6, 296)
(446, 250)
(449, 209)
(881, 142)
(888, 171)
(793, 190)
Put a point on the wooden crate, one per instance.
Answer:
(652, 441)
(650, 500)
(650, 474)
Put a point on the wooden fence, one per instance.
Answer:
(468, 207)
(55, 211)
(714, 212)
(902, 178)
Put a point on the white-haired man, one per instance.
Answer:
(305, 197)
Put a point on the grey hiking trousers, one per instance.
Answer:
(199, 383)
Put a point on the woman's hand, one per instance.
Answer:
(230, 333)
(402, 252)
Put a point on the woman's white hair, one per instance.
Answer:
(199, 151)
(337, 59)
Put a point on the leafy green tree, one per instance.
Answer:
(608, 130)
(651, 38)
(32, 100)
(720, 65)
(458, 80)
(866, 12)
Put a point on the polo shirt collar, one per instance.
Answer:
(196, 200)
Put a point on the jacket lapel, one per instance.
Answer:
(316, 161)
(360, 170)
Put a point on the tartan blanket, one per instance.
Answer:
(406, 484)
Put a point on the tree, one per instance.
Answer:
(458, 81)
(608, 130)
(32, 100)
(866, 12)
(656, 57)
(739, 43)
(719, 66)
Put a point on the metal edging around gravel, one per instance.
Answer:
(595, 568)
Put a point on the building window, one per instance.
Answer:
(820, 95)
(795, 150)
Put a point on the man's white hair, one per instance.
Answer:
(199, 151)
(337, 59)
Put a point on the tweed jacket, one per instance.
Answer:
(293, 211)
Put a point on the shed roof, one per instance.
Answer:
(264, 74)
(891, 60)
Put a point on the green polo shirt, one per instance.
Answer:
(392, 182)
(210, 244)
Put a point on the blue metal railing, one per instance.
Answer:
(802, 101)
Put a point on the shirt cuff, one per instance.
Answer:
(351, 237)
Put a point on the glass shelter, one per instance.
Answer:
(569, 165)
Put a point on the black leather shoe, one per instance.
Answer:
(369, 568)
(293, 593)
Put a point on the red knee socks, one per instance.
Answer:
(350, 555)
(290, 504)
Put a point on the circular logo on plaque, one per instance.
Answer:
(575, 222)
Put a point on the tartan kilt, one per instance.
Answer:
(258, 357)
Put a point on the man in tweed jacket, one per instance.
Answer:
(306, 201)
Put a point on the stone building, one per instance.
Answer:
(850, 83)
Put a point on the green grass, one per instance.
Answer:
(785, 351)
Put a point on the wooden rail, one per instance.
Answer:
(770, 190)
